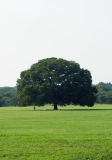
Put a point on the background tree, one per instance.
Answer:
(0, 100)
(55, 81)
(102, 98)
(109, 97)
(104, 94)
(8, 96)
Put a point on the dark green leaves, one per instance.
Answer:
(55, 81)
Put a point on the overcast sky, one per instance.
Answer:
(77, 30)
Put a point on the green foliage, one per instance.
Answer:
(109, 97)
(74, 133)
(8, 96)
(0, 100)
(55, 81)
(104, 94)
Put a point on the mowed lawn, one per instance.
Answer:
(72, 133)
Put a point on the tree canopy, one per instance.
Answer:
(104, 94)
(56, 81)
(8, 96)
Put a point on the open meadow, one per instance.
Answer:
(72, 133)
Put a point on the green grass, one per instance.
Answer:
(72, 133)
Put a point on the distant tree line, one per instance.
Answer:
(104, 95)
(8, 96)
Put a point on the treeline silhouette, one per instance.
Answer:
(104, 95)
(8, 95)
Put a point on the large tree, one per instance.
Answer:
(55, 81)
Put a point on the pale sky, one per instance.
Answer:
(77, 30)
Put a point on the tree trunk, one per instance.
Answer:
(55, 107)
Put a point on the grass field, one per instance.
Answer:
(72, 133)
